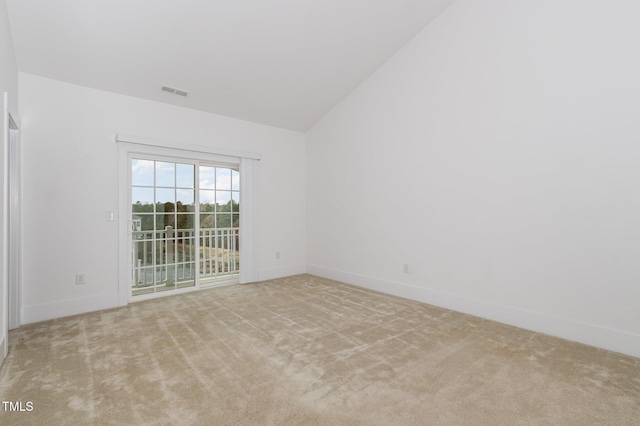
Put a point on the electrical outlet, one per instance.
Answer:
(80, 279)
(405, 268)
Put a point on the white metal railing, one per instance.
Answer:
(167, 257)
(219, 252)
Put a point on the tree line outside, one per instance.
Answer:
(182, 216)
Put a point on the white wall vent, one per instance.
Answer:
(174, 91)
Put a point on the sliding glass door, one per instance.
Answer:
(185, 223)
(219, 194)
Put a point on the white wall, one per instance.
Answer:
(498, 155)
(8, 66)
(71, 180)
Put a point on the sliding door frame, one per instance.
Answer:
(131, 146)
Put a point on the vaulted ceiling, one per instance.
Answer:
(283, 63)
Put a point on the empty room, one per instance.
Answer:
(356, 212)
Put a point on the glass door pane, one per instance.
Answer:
(219, 220)
(163, 226)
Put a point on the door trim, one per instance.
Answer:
(4, 231)
(15, 226)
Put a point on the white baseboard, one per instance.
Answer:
(589, 334)
(65, 308)
(280, 272)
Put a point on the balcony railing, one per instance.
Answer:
(167, 257)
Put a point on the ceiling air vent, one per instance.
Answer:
(174, 91)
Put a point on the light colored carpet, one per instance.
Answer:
(305, 350)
